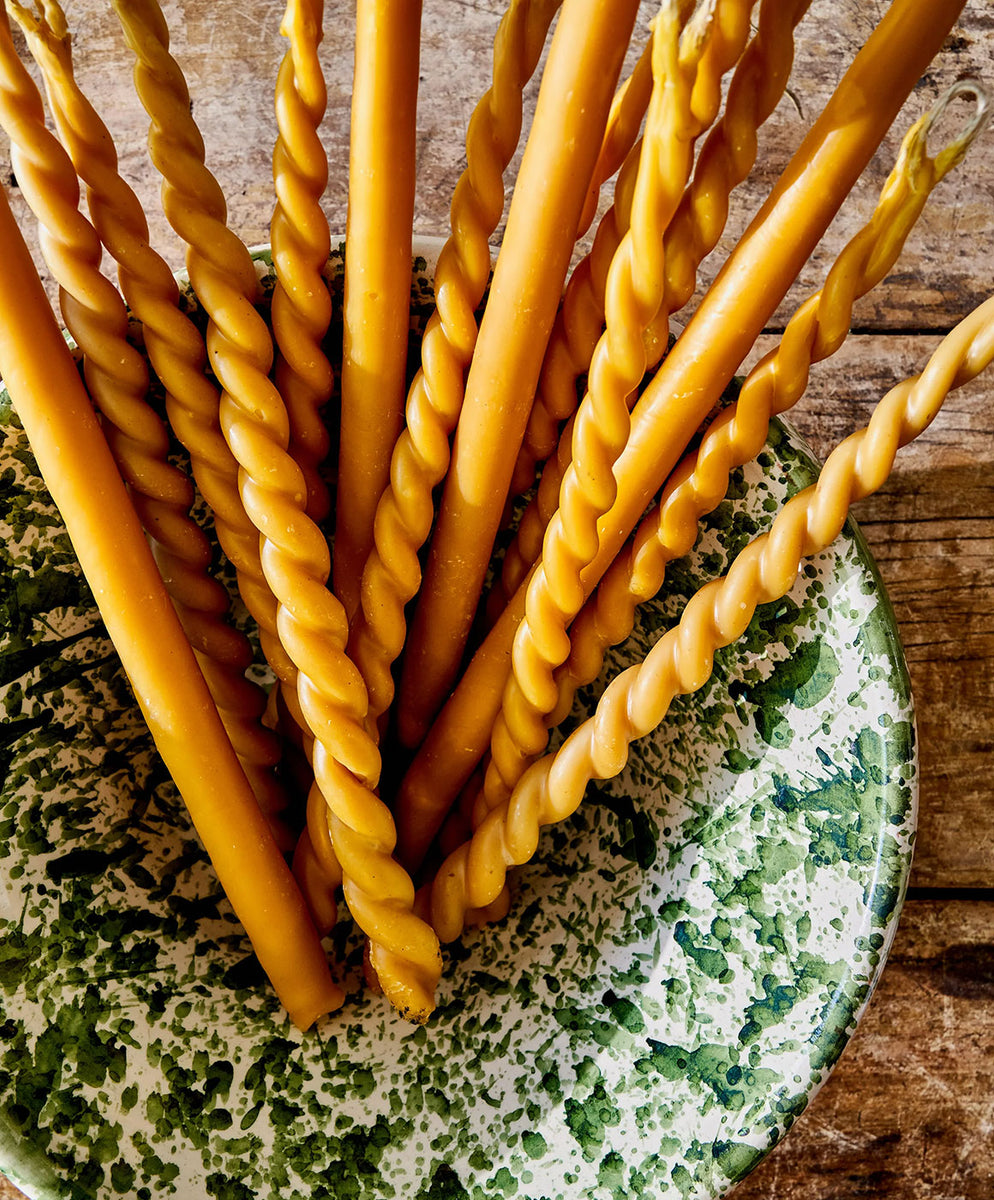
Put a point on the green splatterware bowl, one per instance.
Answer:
(682, 965)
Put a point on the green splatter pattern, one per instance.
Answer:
(681, 967)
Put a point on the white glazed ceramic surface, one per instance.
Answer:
(682, 965)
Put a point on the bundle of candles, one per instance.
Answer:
(569, 375)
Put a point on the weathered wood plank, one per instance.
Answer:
(909, 1109)
(941, 271)
(944, 268)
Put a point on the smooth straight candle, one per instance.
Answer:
(77, 466)
(575, 97)
(382, 146)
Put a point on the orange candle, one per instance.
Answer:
(633, 293)
(405, 511)
(93, 314)
(309, 627)
(681, 661)
(816, 330)
(766, 259)
(693, 376)
(724, 161)
(223, 277)
(301, 305)
(729, 30)
(623, 124)
(382, 148)
(75, 461)
(576, 93)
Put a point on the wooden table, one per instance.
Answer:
(910, 1109)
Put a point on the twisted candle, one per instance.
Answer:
(815, 331)
(115, 372)
(74, 459)
(578, 325)
(194, 205)
(624, 122)
(692, 377)
(376, 305)
(176, 351)
(731, 26)
(315, 863)
(117, 380)
(681, 661)
(632, 297)
(175, 348)
(767, 257)
(421, 457)
(310, 621)
(726, 159)
(301, 242)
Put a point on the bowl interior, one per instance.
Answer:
(682, 965)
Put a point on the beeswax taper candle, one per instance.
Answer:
(309, 627)
(633, 294)
(176, 351)
(420, 459)
(724, 161)
(816, 330)
(623, 124)
(576, 93)
(693, 376)
(681, 661)
(75, 461)
(768, 256)
(382, 148)
(301, 304)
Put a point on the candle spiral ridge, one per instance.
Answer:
(176, 352)
(725, 160)
(420, 459)
(781, 235)
(815, 331)
(577, 328)
(301, 242)
(194, 205)
(621, 133)
(632, 297)
(310, 624)
(95, 314)
(681, 661)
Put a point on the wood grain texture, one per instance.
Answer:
(909, 1110)
(908, 1114)
(231, 60)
